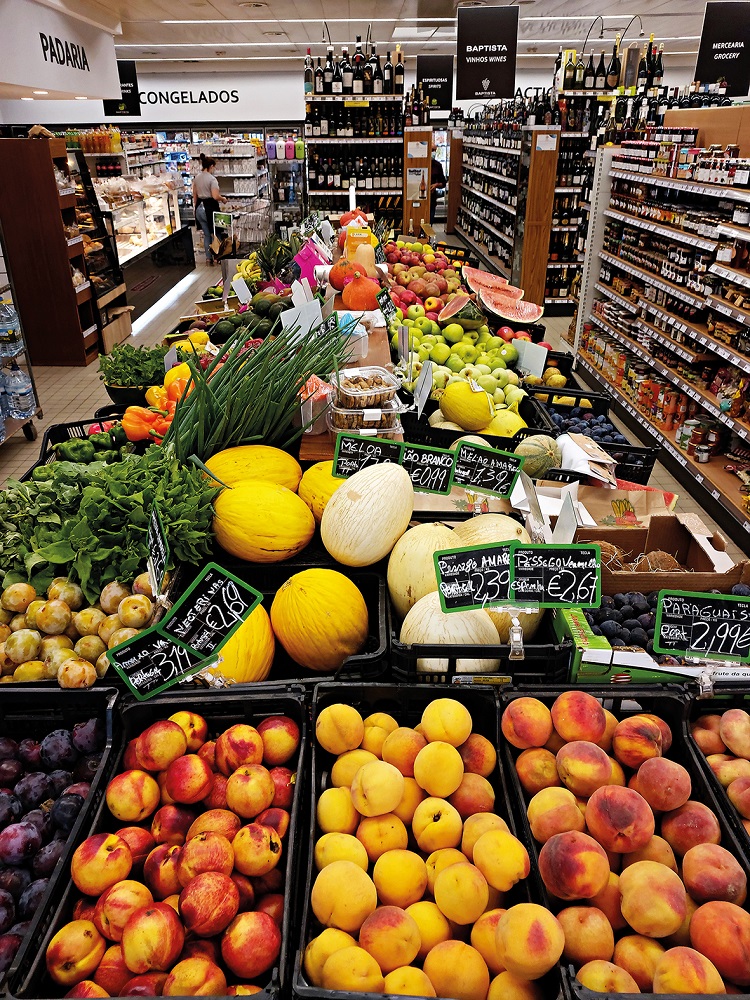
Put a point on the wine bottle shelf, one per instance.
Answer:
(338, 193)
(571, 189)
(510, 150)
(563, 263)
(337, 141)
(493, 201)
(558, 301)
(482, 251)
(500, 178)
(354, 99)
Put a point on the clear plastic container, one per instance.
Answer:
(10, 331)
(363, 388)
(314, 404)
(20, 390)
(366, 431)
(380, 417)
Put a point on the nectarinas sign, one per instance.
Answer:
(486, 53)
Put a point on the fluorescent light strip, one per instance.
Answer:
(369, 20)
(178, 59)
(423, 41)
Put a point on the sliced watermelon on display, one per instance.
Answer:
(463, 310)
(476, 279)
(514, 310)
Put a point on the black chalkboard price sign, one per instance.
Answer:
(379, 254)
(708, 625)
(485, 470)
(354, 453)
(473, 578)
(555, 576)
(429, 468)
(386, 305)
(188, 637)
(158, 552)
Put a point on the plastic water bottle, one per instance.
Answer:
(10, 331)
(20, 392)
(4, 401)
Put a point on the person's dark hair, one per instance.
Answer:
(207, 162)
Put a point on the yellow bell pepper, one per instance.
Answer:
(157, 396)
(198, 337)
(179, 371)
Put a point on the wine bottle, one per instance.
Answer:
(659, 68)
(388, 75)
(318, 78)
(358, 86)
(589, 77)
(309, 74)
(613, 70)
(368, 71)
(601, 74)
(642, 78)
(337, 83)
(398, 73)
(377, 73)
(347, 72)
(308, 128)
(556, 71)
(580, 72)
(328, 72)
(569, 74)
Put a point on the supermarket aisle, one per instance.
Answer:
(69, 394)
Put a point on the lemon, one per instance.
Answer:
(464, 406)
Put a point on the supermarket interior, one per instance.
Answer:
(374, 499)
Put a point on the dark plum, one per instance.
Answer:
(60, 780)
(10, 772)
(81, 788)
(89, 736)
(14, 880)
(29, 752)
(9, 945)
(58, 750)
(86, 768)
(45, 859)
(18, 842)
(10, 808)
(631, 623)
(65, 811)
(8, 748)
(32, 897)
(646, 621)
(42, 820)
(639, 637)
(32, 789)
(7, 911)
(626, 635)
(20, 928)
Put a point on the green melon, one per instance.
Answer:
(540, 453)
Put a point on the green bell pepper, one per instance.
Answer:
(101, 441)
(75, 451)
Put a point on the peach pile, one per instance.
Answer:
(186, 895)
(725, 741)
(414, 864)
(649, 900)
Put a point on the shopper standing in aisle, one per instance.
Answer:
(437, 183)
(207, 199)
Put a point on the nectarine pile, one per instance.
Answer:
(186, 895)
(725, 741)
(413, 865)
(647, 898)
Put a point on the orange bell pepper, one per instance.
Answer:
(175, 390)
(147, 424)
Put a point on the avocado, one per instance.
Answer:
(262, 306)
(237, 319)
(276, 308)
(263, 328)
(222, 331)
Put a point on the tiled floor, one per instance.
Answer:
(69, 394)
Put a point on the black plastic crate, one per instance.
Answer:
(77, 429)
(599, 403)
(406, 704)
(635, 463)
(418, 431)
(31, 713)
(28, 978)
(546, 659)
(670, 703)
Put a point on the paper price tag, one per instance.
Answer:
(241, 290)
(171, 359)
(158, 549)
(423, 387)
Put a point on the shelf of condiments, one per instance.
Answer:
(362, 75)
(328, 174)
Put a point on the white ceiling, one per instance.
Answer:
(232, 34)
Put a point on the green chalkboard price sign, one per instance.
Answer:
(555, 576)
(714, 626)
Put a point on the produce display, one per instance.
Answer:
(130, 366)
(724, 738)
(46, 777)
(182, 888)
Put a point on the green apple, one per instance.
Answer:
(455, 378)
(488, 383)
(440, 380)
(494, 343)
(399, 314)
(423, 353)
(428, 341)
(466, 351)
(483, 369)
(439, 338)
(469, 371)
(513, 378)
(502, 377)
(453, 333)
(440, 353)
(414, 312)
(498, 363)
(422, 322)
(484, 337)
(454, 363)
(484, 359)
(407, 322)
(498, 396)
(471, 336)
(484, 329)
(435, 328)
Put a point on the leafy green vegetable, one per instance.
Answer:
(90, 522)
(133, 366)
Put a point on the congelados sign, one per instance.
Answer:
(189, 97)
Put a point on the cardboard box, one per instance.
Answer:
(685, 537)
(204, 306)
(118, 329)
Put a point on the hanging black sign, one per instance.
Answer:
(712, 625)
(486, 53)
(724, 51)
(130, 101)
(435, 79)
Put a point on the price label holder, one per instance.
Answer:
(423, 387)
(474, 577)
(532, 359)
(485, 470)
(241, 290)
(555, 576)
(158, 553)
(429, 469)
(403, 344)
(354, 453)
(327, 327)
(707, 626)
(189, 638)
(386, 306)
(171, 359)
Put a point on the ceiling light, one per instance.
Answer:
(251, 4)
(40, 92)
(27, 98)
(82, 98)
(274, 34)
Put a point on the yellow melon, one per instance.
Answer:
(255, 461)
(317, 486)
(320, 618)
(262, 522)
(248, 655)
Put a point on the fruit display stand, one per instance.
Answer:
(621, 818)
(29, 977)
(405, 704)
(27, 716)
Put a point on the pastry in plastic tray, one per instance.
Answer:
(363, 388)
(349, 420)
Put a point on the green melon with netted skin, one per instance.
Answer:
(540, 453)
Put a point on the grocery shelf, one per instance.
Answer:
(574, 189)
(360, 191)
(711, 190)
(736, 232)
(500, 178)
(563, 263)
(676, 234)
(493, 261)
(738, 277)
(722, 306)
(699, 333)
(487, 225)
(145, 163)
(574, 135)
(239, 194)
(652, 279)
(721, 485)
(511, 150)
(557, 301)
(585, 205)
(706, 399)
(614, 296)
(228, 156)
(564, 229)
(326, 140)
(679, 349)
(354, 98)
(493, 201)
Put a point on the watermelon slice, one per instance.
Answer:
(476, 279)
(515, 310)
(463, 310)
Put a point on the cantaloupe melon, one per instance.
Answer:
(540, 453)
